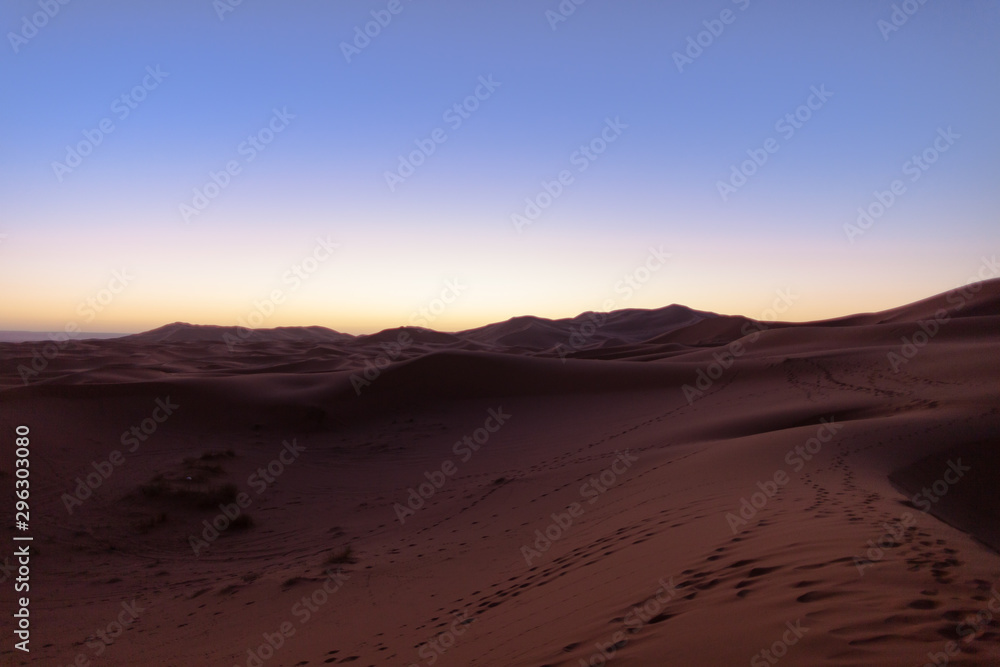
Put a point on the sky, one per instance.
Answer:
(366, 165)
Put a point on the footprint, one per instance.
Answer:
(814, 596)
(761, 571)
(924, 604)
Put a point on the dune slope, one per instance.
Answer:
(673, 487)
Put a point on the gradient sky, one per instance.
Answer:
(66, 232)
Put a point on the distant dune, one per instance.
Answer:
(641, 487)
(27, 336)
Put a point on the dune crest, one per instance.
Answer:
(641, 487)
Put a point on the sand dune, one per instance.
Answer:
(665, 487)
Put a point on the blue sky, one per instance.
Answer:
(224, 80)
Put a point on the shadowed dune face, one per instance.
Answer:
(635, 488)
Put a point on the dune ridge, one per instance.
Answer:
(661, 487)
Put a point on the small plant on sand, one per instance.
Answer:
(147, 523)
(343, 556)
(190, 491)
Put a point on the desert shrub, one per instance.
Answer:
(343, 556)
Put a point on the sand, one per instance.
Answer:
(636, 488)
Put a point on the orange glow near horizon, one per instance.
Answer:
(356, 282)
(126, 316)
